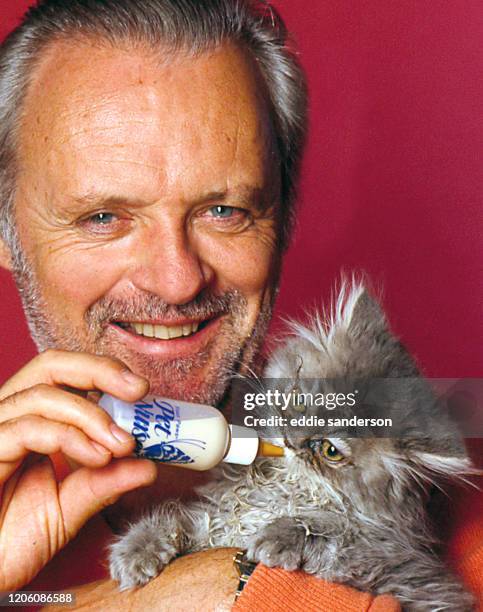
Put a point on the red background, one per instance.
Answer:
(393, 175)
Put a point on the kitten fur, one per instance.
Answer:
(361, 522)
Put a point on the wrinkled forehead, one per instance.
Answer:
(89, 106)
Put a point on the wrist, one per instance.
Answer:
(244, 569)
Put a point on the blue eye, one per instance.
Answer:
(102, 218)
(222, 212)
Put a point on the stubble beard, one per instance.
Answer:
(203, 377)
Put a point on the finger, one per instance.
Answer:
(28, 487)
(64, 407)
(7, 485)
(19, 437)
(85, 492)
(80, 371)
(30, 518)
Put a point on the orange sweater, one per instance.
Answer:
(275, 590)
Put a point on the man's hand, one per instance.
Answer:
(42, 412)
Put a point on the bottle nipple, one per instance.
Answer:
(265, 449)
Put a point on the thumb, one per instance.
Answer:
(87, 491)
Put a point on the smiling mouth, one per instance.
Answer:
(162, 332)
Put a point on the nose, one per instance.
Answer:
(169, 265)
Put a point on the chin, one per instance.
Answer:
(202, 384)
(195, 395)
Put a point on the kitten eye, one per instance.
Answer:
(331, 452)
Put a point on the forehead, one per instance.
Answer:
(97, 118)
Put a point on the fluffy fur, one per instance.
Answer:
(360, 521)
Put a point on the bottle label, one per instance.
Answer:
(156, 429)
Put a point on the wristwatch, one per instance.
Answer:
(244, 568)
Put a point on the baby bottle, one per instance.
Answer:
(189, 435)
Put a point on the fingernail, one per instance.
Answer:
(99, 448)
(130, 377)
(121, 436)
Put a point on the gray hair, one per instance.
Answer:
(193, 25)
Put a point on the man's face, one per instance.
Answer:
(146, 204)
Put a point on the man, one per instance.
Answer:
(148, 158)
(149, 153)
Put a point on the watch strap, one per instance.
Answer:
(244, 568)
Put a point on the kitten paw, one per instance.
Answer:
(280, 544)
(136, 558)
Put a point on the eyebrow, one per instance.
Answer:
(242, 194)
(97, 201)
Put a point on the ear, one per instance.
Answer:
(293, 355)
(440, 467)
(5, 256)
(365, 314)
(372, 344)
(443, 457)
(446, 466)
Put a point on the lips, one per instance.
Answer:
(200, 333)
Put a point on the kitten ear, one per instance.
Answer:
(377, 351)
(294, 355)
(446, 466)
(365, 314)
(445, 457)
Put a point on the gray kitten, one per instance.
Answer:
(347, 510)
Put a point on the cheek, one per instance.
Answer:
(74, 280)
(241, 263)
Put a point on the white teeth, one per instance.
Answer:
(148, 330)
(164, 332)
(161, 332)
(175, 332)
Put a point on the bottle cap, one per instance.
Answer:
(244, 445)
